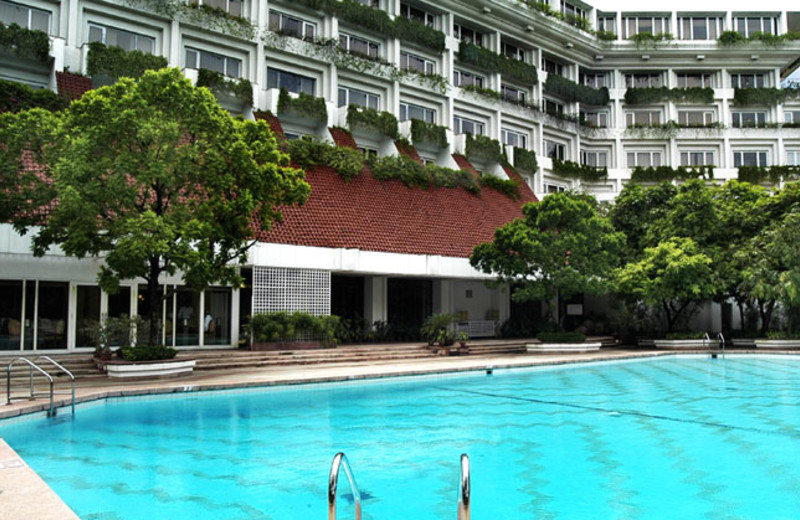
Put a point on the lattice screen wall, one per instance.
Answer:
(284, 289)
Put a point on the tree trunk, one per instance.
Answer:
(765, 312)
(153, 296)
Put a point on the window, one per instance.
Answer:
(409, 111)
(465, 34)
(644, 80)
(554, 108)
(516, 95)
(595, 158)
(352, 96)
(552, 67)
(462, 125)
(749, 25)
(793, 157)
(232, 7)
(465, 79)
(418, 15)
(291, 26)
(417, 63)
(356, 45)
(749, 119)
(554, 188)
(636, 118)
(633, 25)
(129, 41)
(197, 59)
(607, 22)
(512, 51)
(572, 9)
(555, 150)
(369, 153)
(748, 80)
(695, 80)
(596, 119)
(594, 79)
(698, 158)
(24, 16)
(644, 159)
(514, 138)
(792, 117)
(695, 118)
(290, 81)
(750, 158)
(700, 27)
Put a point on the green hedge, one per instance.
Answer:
(651, 41)
(731, 38)
(573, 170)
(218, 83)
(667, 173)
(18, 96)
(505, 186)
(484, 147)
(430, 133)
(145, 353)
(413, 174)
(491, 62)
(415, 32)
(758, 96)
(650, 96)
(682, 336)
(384, 123)
(112, 63)
(561, 337)
(570, 91)
(772, 174)
(286, 327)
(309, 152)
(304, 105)
(525, 160)
(24, 43)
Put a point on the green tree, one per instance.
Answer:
(560, 248)
(638, 211)
(673, 275)
(150, 175)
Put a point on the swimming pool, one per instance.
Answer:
(677, 437)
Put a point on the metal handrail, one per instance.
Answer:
(58, 366)
(707, 342)
(340, 461)
(721, 338)
(32, 367)
(464, 506)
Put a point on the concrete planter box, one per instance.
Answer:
(685, 344)
(646, 342)
(744, 342)
(778, 344)
(563, 347)
(150, 369)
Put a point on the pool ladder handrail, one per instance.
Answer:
(464, 489)
(340, 461)
(33, 366)
(721, 338)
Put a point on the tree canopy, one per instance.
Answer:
(151, 175)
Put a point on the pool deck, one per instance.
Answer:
(24, 494)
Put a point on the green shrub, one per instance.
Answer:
(771, 175)
(282, 327)
(384, 123)
(482, 91)
(758, 96)
(414, 174)
(573, 170)
(218, 83)
(436, 329)
(112, 63)
(18, 96)
(606, 36)
(145, 353)
(415, 32)
(309, 152)
(651, 41)
(25, 43)
(679, 336)
(304, 105)
(443, 177)
(667, 173)
(525, 160)
(654, 95)
(561, 337)
(570, 91)
(430, 133)
(505, 186)
(730, 39)
(783, 334)
(484, 147)
(491, 62)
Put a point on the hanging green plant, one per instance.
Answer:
(482, 91)
(484, 147)
(111, 63)
(362, 16)
(428, 133)
(731, 39)
(605, 36)
(491, 62)
(758, 96)
(572, 92)
(384, 123)
(583, 172)
(772, 175)
(655, 95)
(525, 161)
(24, 43)
(507, 187)
(668, 174)
(218, 84)
(647, 40)
(15, 97)
(304, 105)
(420, 34)
(415, 174)
(666, 130)
(211, 18)
(308, 152)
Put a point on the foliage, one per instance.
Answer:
(758, 96)
(561, 337)
(122, 331)
(646, 40)
(25, 43)
(673, 275)
(667, 173)
(218, 84)
(18, 96)
(519, 327)
(147, 353)
(653, 95)
(285, 327)
(679, 336)
(430, 133)
(525, 161)
(491, 62)
(483, 146)
(414, 174)
(304, 105)
(771, 174)
(483, 91)
(605, 36)
(505, 186)
(384, 123)
(437, 329)
(576, 21)
(731, 39)
(151, 175)
(112, 63)
(637, 210)
(570, 91)
(308, 152)
(666, 130)
(414, 32)
(734, 38)
(783, 334)
(212, 18)
(562, 246)
(573, 170)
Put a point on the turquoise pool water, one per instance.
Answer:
(667, 438)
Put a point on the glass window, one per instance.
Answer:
(552, 67)
(129, 41)
(87, 314)
(644, 159)
(352, 96)
(607, 23)
(464, 79)
(417, 63)
(695, 118)
(27, 17)
(792, 117)
(411, 111)
(749, 25)
(513, 94)
(514, 138)
(418, 15)
(692, 80)
(462, 125)
(595, 119)
(465, 34)
(187, 324)
(554, 108)
(290, 81)
(217, 319)
(51, 321)
(119, 304)
(595, 158)
(594, 79)
(360, 46)
(200, 59)
(748, 80)
(697, 158)
(634, 25)
(792, 159)
(644, 80)
(232, 7)
(555, 150)
(750, 158)
(512, 51)
(643, 118)
(10, 314)
(749, 119)
(288, 25)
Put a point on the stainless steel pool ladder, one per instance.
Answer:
(464, 506)
(721, 339)
(340, 461)
(34, 366)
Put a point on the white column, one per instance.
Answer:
(376, 298)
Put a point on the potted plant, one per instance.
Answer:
(462, 342)
(436, 331)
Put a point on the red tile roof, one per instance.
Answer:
(343, 138)
(274, 123)
(408, 151)
(72, 86)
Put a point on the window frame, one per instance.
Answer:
(104, 29)
(459, 121)
(372, 100)
(198, 61)
(655, 158)
(761, 156)
(406, 107)
(686, 157)
(428, 65)
(281, 27)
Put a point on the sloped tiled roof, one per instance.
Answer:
(408, 151)
(72, 86)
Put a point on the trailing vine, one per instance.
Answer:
(668, 174)
(731, 39)
(507, 187)
(666, 130)
(24, 43)
(217, 83)
(483, 146)
(772, 174)
(211, 18)
(15, 97)
(304, 105)
(734, 38)
(572, 92)
(384, 123)
(573, 170)
(414, 174)
(112, 63)
(525, 161)
(654, 95)
(759, 96)
(415, 32)
(430, 133)
(308, 152)
(491, 62)
(651, 41)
